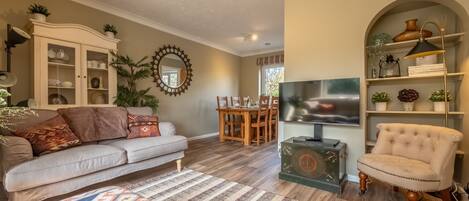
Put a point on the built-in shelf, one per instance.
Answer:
(58, 87)
(449, 38)
(61, 64)
(98, 89)
(369, 143)
(101, 69)
(449, 75)
(412, 112)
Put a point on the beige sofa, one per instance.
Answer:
(26, 177)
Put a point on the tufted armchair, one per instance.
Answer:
(419, 158)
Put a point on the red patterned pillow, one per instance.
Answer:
(143, 126)
(49, 136)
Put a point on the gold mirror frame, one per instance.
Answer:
(156, 71)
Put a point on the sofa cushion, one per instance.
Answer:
(63, 165)
(82, 122)
(400, 171)
(140, 149)
(49, 136)
(111, 122)
(143, 126)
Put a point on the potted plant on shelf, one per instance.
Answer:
(130, 72)
(38, 12)
(380, 99)
(438, 99)
(408, 97)
(110, 30)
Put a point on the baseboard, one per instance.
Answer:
(202, 136)
(353, 178)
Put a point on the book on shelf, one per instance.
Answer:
(426, 70)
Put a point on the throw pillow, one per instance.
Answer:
(49, 136)
(143, 126)
(82, 122)
(111, 123)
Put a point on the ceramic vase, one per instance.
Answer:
(95, 82)
(439, 106)
(381, 106)
(408, 106)
(39, 17)
(109, 34)
(411, 32)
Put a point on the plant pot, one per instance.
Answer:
(439, 106)
(408, 106)
(109, 34)
(39, 17)
(381, 106)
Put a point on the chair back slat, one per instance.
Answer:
(222, 102)
(236, 101)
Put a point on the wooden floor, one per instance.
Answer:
(256, 166)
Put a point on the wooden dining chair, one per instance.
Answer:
(260, 121)
(235, 101)
(222, 102)
(246, 101)
(273, 118)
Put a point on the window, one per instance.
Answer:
(170, 78)
(271, 76)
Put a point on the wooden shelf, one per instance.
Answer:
(370, 143)
(100, 69)
(57, 87)
(62, 64)
(98, 89)
(449, 75)
(412, 112)
(449, 38)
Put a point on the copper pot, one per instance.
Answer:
(411, 32)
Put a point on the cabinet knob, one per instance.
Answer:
(78, 76)
(84, 76)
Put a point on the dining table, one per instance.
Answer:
(245, 112)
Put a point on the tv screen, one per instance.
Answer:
(335, 101)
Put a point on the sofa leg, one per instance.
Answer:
(363, 182)
(412, 196)
(445, 195)
(178, 163)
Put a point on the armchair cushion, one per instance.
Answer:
(400, 171)
(14, 151)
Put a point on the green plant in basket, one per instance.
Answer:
(380, 97)
(38, 8)
(110, 28)
(10, 115)
(439, 96)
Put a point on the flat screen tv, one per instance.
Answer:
(335, 101)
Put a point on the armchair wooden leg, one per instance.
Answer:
(178, 163)
(412, 196)
(363, 182)
(445, 195)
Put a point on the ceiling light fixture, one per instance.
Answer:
(251, 37)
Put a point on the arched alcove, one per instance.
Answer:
(391, 20)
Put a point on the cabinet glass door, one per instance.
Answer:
(62, 73)
(97, 71)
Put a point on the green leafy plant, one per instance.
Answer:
(127, 94)
(38, 8)
(408, 95)
(110, 28)
(10, 115)
(439, 96)
(380, 97)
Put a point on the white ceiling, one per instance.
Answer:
(218, 23)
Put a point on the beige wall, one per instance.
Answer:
(325, 39)
(250, 75)
(215, 72)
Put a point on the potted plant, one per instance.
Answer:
(438, 99)
(380, 99)
(110, 30)
(130, 72)
(38, 12)
(10, 115)
(408, 97)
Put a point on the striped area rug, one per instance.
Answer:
(191, 185)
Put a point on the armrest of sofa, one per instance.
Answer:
(167, 129)
(15, 150)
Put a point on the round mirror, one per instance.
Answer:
(172, 70)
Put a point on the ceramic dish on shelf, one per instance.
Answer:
(51, 54)
(57, 99)
(98, 98)
(53, 82)
(67, 84)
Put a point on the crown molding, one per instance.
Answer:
(254, 53)
(153, 24)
